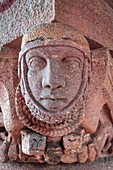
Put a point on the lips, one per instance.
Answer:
(52, 97)
(52, 102)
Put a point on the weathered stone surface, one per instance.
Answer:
(98, 92)
(33, 143)
(3, 134)
(13, 152)
(83, 156)
(69, 158)
(93, 18)
(91, 153)
(24, 15)
(73, 142)
(4, 150)
(104, 163)
(58, 106)
(1, 120)
(8, 83)
(5, 4)
(110, 2)
(83, 130)
(53, 153)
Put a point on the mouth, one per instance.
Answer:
(52, 97)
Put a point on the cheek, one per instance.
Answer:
(73, 82)
(34, 80)
(73, 78)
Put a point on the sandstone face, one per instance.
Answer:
(56, 93)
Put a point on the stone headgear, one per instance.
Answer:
(55, 34)
(47, 34)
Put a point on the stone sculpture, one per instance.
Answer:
(63, 102)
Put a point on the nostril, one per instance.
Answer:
(59, 87)
(48, 86)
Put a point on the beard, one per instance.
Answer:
(52, 124)
(69, 113)
(48, 124)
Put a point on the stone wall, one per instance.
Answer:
(92, 18)
(23, 16)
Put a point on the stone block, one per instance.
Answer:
(53, 153)
(73, 142)
(33, 143)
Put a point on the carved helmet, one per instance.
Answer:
(47, 34)
(55, 34)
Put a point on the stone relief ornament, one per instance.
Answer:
(63, 103)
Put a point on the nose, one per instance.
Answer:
(53, 77)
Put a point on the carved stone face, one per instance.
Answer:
(54, 75)
(54, 68)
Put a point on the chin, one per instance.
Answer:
(53, 108)
(53, 105)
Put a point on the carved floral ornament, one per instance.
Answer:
(52, 101)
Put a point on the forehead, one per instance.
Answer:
(54, 51)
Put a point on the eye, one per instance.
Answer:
(72, 63)
(36, 63)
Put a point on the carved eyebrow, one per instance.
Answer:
(77, 59)
(73, 58)
(30, 55)
(35, 58)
